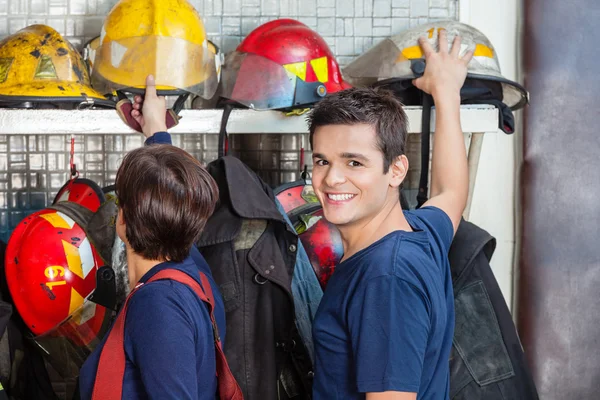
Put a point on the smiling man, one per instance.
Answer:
(385, 324)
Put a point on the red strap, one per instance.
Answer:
(111, 367)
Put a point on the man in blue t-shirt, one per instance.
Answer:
(385, 324)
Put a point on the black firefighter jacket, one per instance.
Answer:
(487, 361)
(252, 252)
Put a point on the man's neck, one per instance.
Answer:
(137, 266)
(364, 233)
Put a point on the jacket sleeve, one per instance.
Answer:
(158, 138)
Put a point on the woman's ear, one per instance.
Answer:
(120, 226)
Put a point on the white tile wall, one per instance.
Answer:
(228, 21)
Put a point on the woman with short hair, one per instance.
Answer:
(165, 197)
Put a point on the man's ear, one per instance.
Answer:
(398, 171)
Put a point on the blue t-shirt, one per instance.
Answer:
(386, 320)
(169, 347)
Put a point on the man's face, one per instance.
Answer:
(348, 174)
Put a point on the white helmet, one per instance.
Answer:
(400, 56)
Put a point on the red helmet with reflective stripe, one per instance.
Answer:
(50, 268)
(320, 238)
(281, 64)
(299, 49)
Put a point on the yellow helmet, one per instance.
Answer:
(164, 38)
(38, 66)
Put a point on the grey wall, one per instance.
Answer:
(34, 167)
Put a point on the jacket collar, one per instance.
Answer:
(242, 194)
(469, 241)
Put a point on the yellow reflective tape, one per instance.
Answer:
(5, 64)
(76, 302)
(481, 50)
(45, 69)
(412, 52)
(320, 67)
(297, 111)
(298, 69)
(56, 220)
(73, 259)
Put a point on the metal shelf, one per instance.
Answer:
(474, 118)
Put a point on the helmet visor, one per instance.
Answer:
(380, 62)
(69, 344)
(176, 64)
(257, 82)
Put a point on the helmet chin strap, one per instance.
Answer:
(223, 140)
(119, 266)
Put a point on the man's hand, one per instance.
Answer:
(150, 111)
(445, 71)
(445, 74)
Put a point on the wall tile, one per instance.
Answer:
(3, 7)
(382, 8)
(382, 22)
(326, 26)
(307, 8)
(339, 27)
(419, 8)
(438, 13)
(38, 7)
(438, 3)
(400, 12)
(363, 26)
(344, 8)
(3, 26)
(326, 12)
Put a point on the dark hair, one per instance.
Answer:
(376, 107)
(166, 196)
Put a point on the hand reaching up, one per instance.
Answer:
(150, 111)
(445, 71)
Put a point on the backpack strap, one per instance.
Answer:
(111, 367)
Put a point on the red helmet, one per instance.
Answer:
(50, 269)
(320, 238)
(82, 191)
(281, 64)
